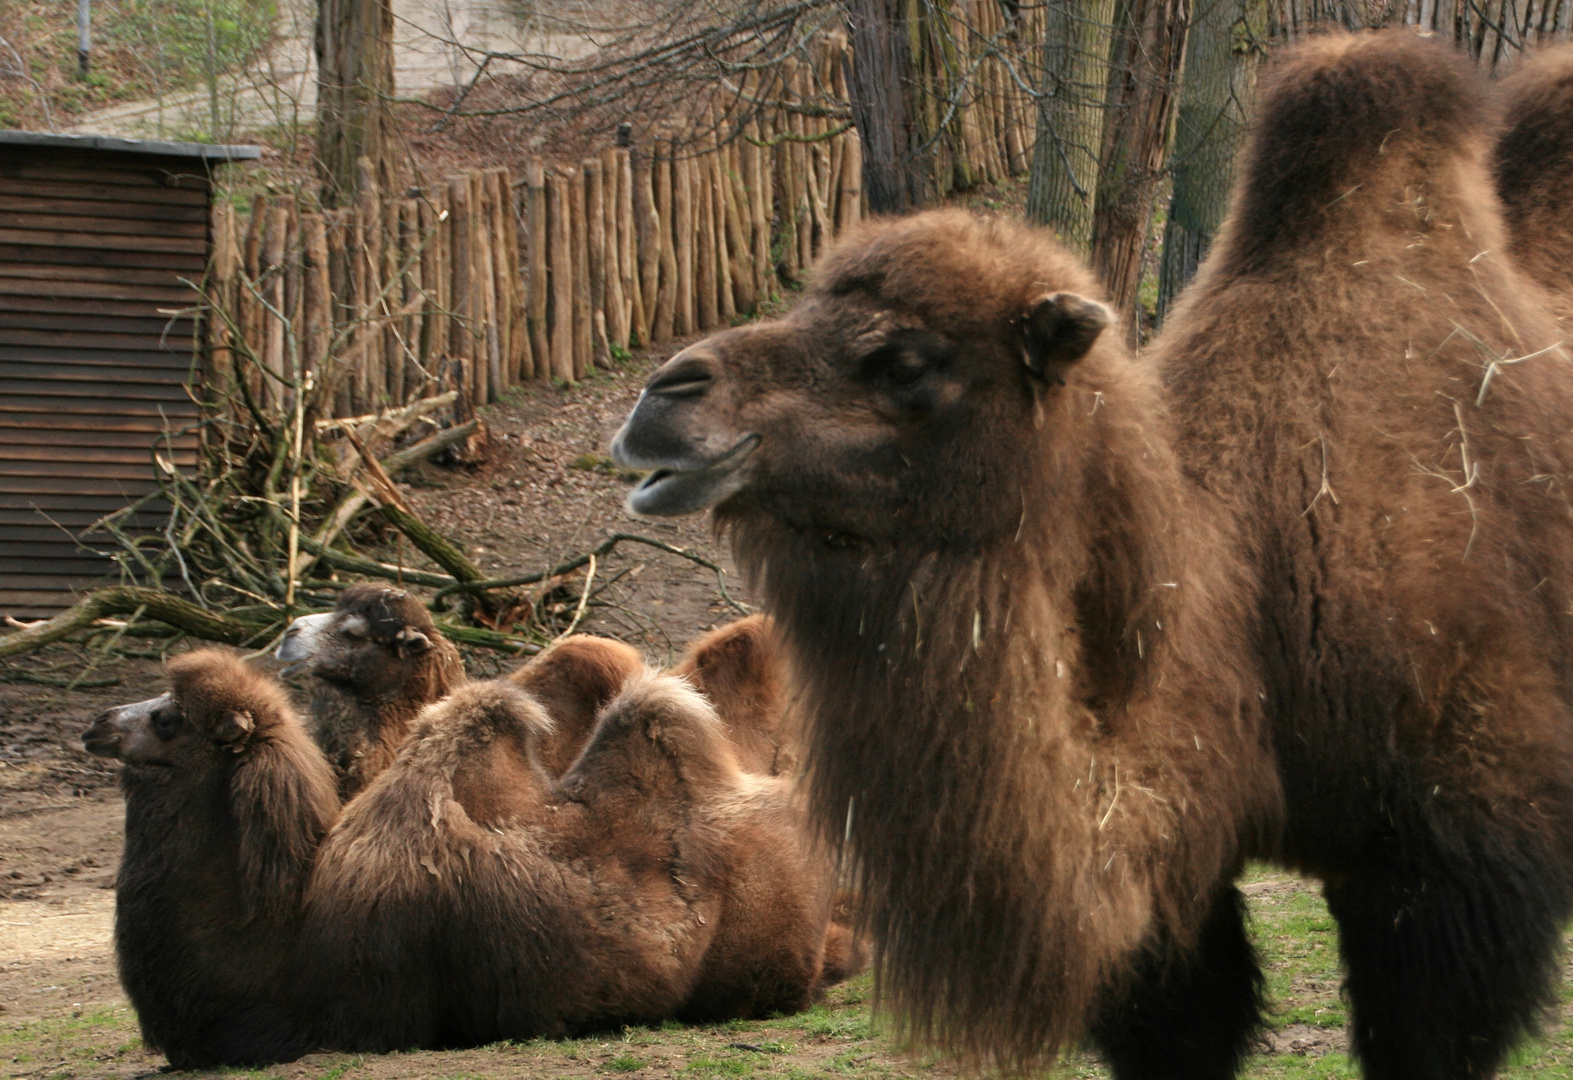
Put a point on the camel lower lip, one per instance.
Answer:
(670, 492)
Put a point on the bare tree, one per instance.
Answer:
(1063, 189)
(879, 78)
(1143, 94)
(1218, 93)
(354, 86)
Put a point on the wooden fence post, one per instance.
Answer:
(558, 201)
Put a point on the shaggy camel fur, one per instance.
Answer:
(374, 662)
(1034, 720)
(466, 895)
(1533, 166)
(1065, 660)
(662, 881)
(1375, 391)
(226, 802)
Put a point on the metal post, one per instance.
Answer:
(84, 38)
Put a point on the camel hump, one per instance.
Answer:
(1533, 166)
(738, 667)
(573, 680)
(1536, 103)
(1344, 112)
(661, 738)
(472, 719)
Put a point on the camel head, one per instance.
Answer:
(374, 643)
(214, 708)
(902, 385)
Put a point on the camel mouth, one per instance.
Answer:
(675, 490)
(299, 646)
(101, 743)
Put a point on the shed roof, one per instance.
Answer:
(203, 151)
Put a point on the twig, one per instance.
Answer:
(584, 597)
(577, 561)
(393, 463)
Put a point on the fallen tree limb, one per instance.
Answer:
(355, 564)
(126, 599)
(355, 501)
(491, 639)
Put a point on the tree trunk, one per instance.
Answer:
(1062, 189)
(1144, 94)
(354, 84)
(881, 86)
(1215, 102)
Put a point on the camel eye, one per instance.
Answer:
(896, 364)
(166, 721)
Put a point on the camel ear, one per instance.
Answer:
(232, 728)
(1058, 329)
(411, 641)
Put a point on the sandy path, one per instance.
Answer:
(431, 39)
(57, 934)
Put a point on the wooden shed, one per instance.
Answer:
(100, 240)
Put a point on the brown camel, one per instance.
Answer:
(1533, 167)
(1375, 391)
(1071, 645)
(374, 662)
(226, 801)
(655, 880)
(1034, 721)
(466, 895)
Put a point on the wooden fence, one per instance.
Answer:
(489, 279)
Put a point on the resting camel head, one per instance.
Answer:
(892, 403)
(215, 707)
(377, 642)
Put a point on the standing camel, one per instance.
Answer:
(1073, 636)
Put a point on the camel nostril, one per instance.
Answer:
(691, 376)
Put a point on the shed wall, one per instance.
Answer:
(93, 362)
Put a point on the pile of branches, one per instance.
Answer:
(263, 533)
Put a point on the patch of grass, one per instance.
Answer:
(625, 1063)
(703, 1065)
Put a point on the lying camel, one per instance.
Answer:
(465, 896)
(227, 800)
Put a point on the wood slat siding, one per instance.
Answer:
(93, 244)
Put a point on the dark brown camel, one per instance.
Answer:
(1071, 646)
(465, 896)
(373, 663)
(226, 802)
(1366, 380)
